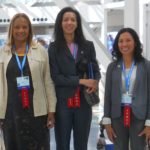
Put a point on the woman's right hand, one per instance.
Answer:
(110, 132)
(51, 120)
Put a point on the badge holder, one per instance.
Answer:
(23, 85)
(127, 98)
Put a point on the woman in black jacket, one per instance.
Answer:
(69, 55)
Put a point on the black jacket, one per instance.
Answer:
(64, 70)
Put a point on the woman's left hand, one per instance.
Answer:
(51, 120)
(146, 132)
(93, 88)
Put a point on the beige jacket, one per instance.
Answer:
(44, 98)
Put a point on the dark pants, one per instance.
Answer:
(124, 135)
(76, 119)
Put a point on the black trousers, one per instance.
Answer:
(77, 120)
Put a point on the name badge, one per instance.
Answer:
(23, 82)
(126, 99)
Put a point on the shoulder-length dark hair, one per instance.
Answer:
(58, 31)
(116, 54)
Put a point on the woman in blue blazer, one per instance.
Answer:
(127, 93)
(69, 54)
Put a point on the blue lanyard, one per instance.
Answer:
(75, 51)
(90, 69)
(128, 76)
(21, 65)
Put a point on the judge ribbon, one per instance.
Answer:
(74, 102)
(126, 97)
(23, 83)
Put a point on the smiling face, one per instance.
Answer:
(20, 30)
(126, 44)
(69, 23)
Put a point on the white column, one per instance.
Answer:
(131, 14)
(105, 26)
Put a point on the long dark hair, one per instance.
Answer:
(116, 54)
(58, 31)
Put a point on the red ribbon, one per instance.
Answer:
(70, 103)
(127, 116)
(25, 97)
(77, 98)
(74, 102)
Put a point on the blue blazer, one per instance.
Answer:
(63, 67)
(141, 92)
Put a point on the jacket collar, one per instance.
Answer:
(139, 73)
(80, 53)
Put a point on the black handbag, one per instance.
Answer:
(92, 98)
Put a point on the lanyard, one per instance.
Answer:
(90, 69)
(128, 76)
(75, 51)
(21, 65)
